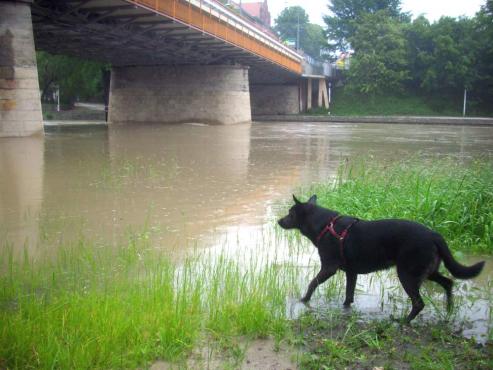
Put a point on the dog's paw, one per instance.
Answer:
(399, 320)
(305, 300)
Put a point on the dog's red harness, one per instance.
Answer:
(330, 228)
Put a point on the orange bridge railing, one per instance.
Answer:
(216, 20)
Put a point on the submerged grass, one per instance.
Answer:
(452, 198)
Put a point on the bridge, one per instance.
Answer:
(171, 61)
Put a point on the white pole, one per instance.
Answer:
(330, 93)
(58, 99)
(464, 106)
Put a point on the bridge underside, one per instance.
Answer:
(132, 36)
(123, 34)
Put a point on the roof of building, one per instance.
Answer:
(253, 8)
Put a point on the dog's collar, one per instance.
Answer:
(340, 237)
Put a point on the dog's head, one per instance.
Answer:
(297, 213)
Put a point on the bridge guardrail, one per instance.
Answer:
(214, 19)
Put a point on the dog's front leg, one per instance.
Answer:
(321, 277)
(350, 286)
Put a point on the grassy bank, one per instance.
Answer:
(86, 304)
(452, 198)
(350, 104)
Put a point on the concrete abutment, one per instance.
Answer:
(275, 99)
(20, 104)
(217, 94)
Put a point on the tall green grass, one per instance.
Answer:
(452, 198)
(93, 306)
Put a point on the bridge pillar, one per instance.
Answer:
(20, 105)
(173, 94)
(274, 99)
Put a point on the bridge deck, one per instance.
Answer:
(150, 32)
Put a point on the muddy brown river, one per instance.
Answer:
(198, 186)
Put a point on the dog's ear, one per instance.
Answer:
(296, 200)
(313, 200)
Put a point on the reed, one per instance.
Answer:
(452, 198)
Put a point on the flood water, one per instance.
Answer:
(195, 184)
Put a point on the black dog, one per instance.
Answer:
(360, 247)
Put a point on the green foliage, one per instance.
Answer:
(288, 20)
(88, 305)
(311, 36)
(313, 40)
(380, 61)
(453, 199)
(347, 102)
(393, 54)
(76, 78)
(346, 15)
(441, 55)
(482, 86)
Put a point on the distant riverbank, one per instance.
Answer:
(473, 121)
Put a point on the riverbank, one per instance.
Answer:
(421, 120)
(58, 125)
(342, 340)
(85, 303)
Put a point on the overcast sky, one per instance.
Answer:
(432, 9)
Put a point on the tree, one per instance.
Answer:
(420, 49)
(313, 40)
(379, 63)
(482, 86)
(74, 77)
(293, 24)
(290, 21)
(442, 55)
(345, 16)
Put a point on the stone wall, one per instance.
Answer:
(274, 99)
(173, 94)
(20, 105)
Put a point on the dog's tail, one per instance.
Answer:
(458, 270)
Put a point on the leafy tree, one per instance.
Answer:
(74, 77)
(452, 59)
(380, 60)
(482, 86)
(294, 19)
(345, 16)
(289, 20)
(442, 55)
(420, 49)
(313, 40)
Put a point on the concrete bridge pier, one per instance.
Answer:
(216, 94)
(20, 105)
(275, 99)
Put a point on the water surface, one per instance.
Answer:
(198, 186)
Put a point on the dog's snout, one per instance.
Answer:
(284, 223)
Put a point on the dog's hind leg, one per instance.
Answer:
(322, 276)
(411, 284)
(446, 283)
(350, 286)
